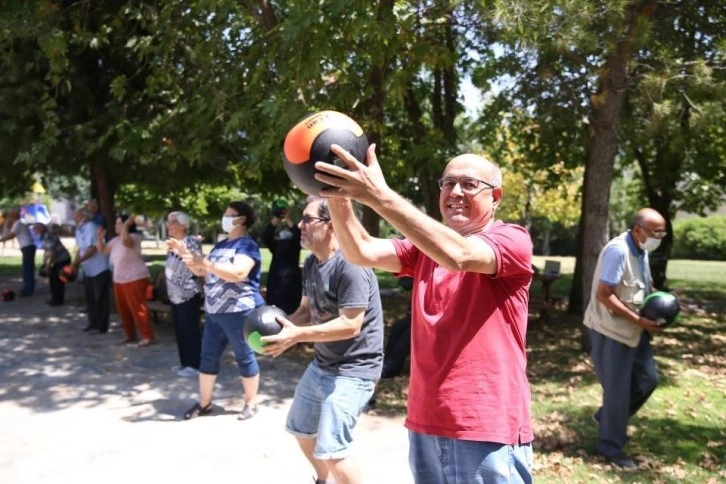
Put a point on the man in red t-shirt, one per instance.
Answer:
(469, 398)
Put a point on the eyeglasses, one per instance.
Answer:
(468, 185)
(658, 234)
(306, 219)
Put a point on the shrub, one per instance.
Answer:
(701, 238)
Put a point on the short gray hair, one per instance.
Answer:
(323, 210)
(181, 217)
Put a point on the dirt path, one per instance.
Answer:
(76, 408)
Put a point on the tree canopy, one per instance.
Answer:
(181, 104)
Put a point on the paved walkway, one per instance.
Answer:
(76, 408)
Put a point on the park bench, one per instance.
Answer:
(157, 300)
(542, 304)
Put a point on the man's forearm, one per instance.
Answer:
(441, 243)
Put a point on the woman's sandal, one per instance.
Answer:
(248, 412)
(197, 411)
(145, 342)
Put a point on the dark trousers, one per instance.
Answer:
(398, 348)
(185, 317)
(28, 269)
(97, 290)
(57, 288)
(628, 377)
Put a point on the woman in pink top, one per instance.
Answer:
(130, 279)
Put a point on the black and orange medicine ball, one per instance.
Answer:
(150, 293)
(67, 274)
(8, 295)
(309, 142)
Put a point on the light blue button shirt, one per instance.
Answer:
(613, 263)
(85, 238)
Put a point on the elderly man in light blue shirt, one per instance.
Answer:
(96, 272)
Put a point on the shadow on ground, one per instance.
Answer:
(47, 363)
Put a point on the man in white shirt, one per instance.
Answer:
(27, 247)
(96, 272)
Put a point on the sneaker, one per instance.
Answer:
(177, 368)
(621, 460)
(187, 371)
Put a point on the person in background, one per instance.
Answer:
(620, 336)
(341, 313)
(3, 228)
(284, 278)
(36, 212)
(469, 399)
(19, 230)
(130, 279)
(185, 294)
(231, 292)
(96, 273)
(55, 257)
(96, 215)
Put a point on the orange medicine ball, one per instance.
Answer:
(309, 140)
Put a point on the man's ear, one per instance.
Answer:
(497, 194)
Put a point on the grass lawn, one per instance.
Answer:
(678, 436)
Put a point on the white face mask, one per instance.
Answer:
(650, 244)
(228, 223)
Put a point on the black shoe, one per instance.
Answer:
(54, 304)
(88, 328)
(25, 294)
(621, 460)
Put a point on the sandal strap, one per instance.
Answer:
(248, 412)
(197, 411)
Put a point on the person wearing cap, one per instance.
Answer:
(55, 257)
(284, 279)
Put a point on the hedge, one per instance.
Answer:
(700, 238)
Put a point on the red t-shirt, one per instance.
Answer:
(468, 339)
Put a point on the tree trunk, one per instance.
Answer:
(375, 108)
(546, 237)
(103, 189)
(575, 301)
(607, 107)
(659, 258)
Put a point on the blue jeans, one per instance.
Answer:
(628, 377)
(326, 407)
(443, 460)
(28, 269)
(220, 329)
